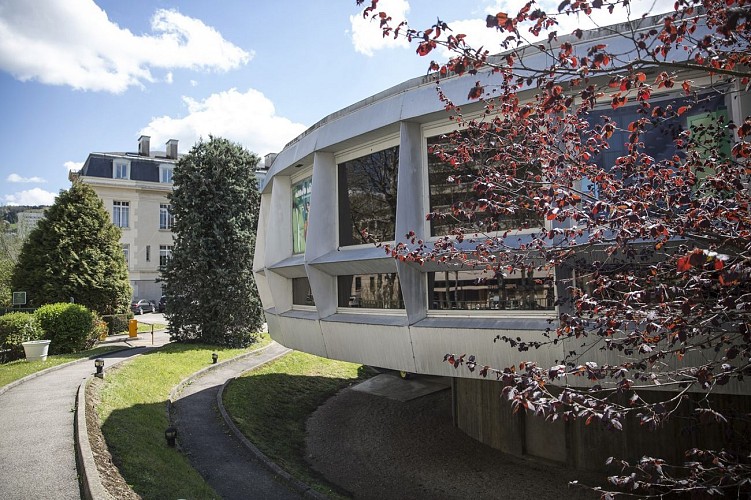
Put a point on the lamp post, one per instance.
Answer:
(214, 358)
(170, 435)
(99, 365)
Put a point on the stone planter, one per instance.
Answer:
(36, 350)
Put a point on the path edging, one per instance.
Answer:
(91, 483)
(34, 375)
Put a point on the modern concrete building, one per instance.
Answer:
(134, 189)
(328, 292)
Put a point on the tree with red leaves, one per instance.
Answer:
(643, 224)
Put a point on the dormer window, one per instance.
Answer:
(165, 173)
(120, 170)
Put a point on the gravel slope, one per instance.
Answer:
(379, 448)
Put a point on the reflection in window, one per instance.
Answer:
(483, 290)
(367, 197)
(453, 189)
(706, 119)
(301, 293)
(300, 213)
(377, 291)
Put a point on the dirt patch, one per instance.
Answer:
(379, 448)
(109, 474)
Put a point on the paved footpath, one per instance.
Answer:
(37, 454)
(232, 470)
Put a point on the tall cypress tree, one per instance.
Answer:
(209, 285)
(75, 253)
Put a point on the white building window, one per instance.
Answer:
(126, 254)
(166, 219)
(121, 213)
(165, 173)
(165, 254)
(121, 170)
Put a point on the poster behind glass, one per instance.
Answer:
(300, 212)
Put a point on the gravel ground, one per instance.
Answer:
(109, 474)
(374, 447)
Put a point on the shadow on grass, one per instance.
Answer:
(272, 410)
(135, 438)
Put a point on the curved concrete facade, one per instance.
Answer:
(413, 337)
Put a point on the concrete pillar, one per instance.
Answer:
(410, 216)
(322, 232)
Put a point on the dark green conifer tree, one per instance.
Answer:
(75, 253)
(209, 286)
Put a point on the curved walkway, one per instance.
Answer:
(37, 451)
(225, 462)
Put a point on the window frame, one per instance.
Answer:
(126, 253)
(121, 207)
(165, 168)
(168, 222)
(116, 164)
(165, 254)
(354, 153)
(445, 127)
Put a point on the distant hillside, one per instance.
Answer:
(10, 213)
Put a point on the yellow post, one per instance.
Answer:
(133, 328)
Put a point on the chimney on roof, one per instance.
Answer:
(143, 145)
(268, 160)
(172, 149)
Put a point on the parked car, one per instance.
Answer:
(162, 305)
(142, 306)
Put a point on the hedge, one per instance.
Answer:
(70, 327)
(16, 328)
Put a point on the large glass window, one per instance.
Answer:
(166, 219)
(121, 213)
(301, 293)
(300, 213)
(376, 291)
(367, 197)
(705, 119)
(456, 191)
(482, 290)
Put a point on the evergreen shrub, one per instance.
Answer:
(70, 327)
(16, 328)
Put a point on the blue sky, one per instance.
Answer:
(81, 76)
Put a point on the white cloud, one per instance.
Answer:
(367, 38)
(34, 196)
(248, 118)
(73, 43)
(17, 178)
(193, 83)
(169, 78)
(73, 165)
(366, 34)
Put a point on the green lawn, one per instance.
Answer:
(18, 369)
(132, 411)
(271, 404)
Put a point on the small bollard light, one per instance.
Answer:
(99, 365)
(214, 358)
(170, 435)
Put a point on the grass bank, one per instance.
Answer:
(15, 370)
(271, 404)
(132, 412)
